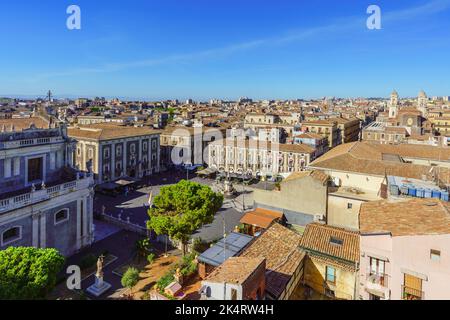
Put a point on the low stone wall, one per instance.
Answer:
(126, 224)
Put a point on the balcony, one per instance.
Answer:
(409, 293)
(377, 284)
(29, 198)
(31, 142)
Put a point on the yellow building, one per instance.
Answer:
(349, 129)
(332, 261)
(326, 128)
(442, 125)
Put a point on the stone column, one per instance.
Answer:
(124, 162)
(35, 229)
(43, 235)
(100, 163)
(139, 162)
(149, 155)
(90, 217)
(85, 222)
(158, 153)
(113, 161)
(78, 243)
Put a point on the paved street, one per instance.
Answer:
(134, 204)
(120, 244)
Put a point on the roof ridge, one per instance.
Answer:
(335, 228)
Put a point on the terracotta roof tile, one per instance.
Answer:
(405, 217)
(235, 270)
(106, 131)
(280, 247)
(261, 217)
(315, 174)
(370, 159)
(23, 123)
(331, 241)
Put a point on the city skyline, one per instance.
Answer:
(271, 51)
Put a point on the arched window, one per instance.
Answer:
(11, 235)
(61, 216)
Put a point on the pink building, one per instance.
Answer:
(405, 250)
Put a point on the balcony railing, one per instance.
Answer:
(409, 293)
(26, 199)
(378, 279)
(31, 142)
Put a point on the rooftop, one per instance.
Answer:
(331, 241)
(261, 217)
(405, 217)
(280, 247)
(318, 175)
(20, 124)
(225, 248)
(372, 159)
(108, 131)
(235, 270)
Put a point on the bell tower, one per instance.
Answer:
(393, 105)
(422, 101)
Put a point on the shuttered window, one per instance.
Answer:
(412, 289)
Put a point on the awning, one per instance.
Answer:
(109, 186)
(206, 171)
(124, 182)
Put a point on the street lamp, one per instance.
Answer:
(243, 192)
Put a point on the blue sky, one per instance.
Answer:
(204, 49)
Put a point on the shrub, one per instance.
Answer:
(187, 265)
(130, 278)
(146, 295)
(165, 280)
(151, 258)
(28, 273)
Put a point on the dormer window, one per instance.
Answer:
(336, 241)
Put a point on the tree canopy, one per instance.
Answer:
(182, 208)
(28, 273)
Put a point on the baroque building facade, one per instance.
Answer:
(114, 151)
(44, 201)
(258, 158)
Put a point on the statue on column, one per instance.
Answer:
(100, 266)
(100, 286)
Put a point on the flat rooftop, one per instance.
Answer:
(227, 247)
